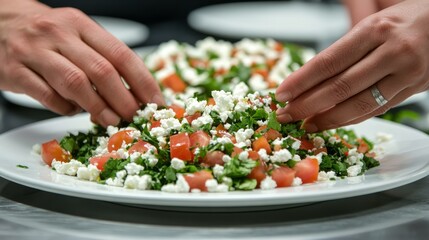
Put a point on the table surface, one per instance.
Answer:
(25, 212)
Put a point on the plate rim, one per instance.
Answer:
(230, 199)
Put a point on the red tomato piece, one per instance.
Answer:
(307, 169)
(261, 143)
(180, 147)
(141, 147)
(193, 117)
(154, 123)
(363, 146)
(52, 150)
(253, 155)
(180, 111)
(306, 144)
(199, 139)
(198, 180)
(258, 173)
(283, 176)
(117, 139)
(211, 102)
(236, 151)
(174, 82)
(101, 160)
(213, 158)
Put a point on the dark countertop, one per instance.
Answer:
(27, 213)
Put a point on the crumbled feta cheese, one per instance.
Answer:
(148, 111)
(240, 90)
(353, 156)
(354, 170)
(296, 158)
(193, 106)
(268, 183)
(263, 155)
(224, 100)
(257, 83)
(218, 170)
(159, 132)
(177, 163)
(181, 186)
(297, 181)
(333, 140)
(133, 168)
(243, 156)
(226, 158)
(243, 134)
(282, 155)
(37, 149)
(118, 181)
(122, 152)
(164, 114)
(67, 168)
(296, 144)
(326, 176)
(213, 186)
(111, 130)
(201, 121)
(134, 156)
(170, 124)
(382, 137)
(90, 173)
(138, 182)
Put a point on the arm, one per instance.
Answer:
(67, 62)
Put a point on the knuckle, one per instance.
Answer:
(74, 80)
(341, 89)
(46, 97)
(102, 68)
(45, 25)
(122, 53)
(72, 14)
(363, 107)
(383, 25)
(299, 111)
(326, 64)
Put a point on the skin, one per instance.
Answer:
(68, 62)
(389, 49)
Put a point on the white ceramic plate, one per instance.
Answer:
(406, 161)
(129, 32)
(296, 21)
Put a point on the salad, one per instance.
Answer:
(219, 132)
(233, 142)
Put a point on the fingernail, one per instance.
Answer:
(108, 117)
(284, 117)
(158, 99)
(283, 96)
(309, 127)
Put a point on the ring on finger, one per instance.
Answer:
(379, 98)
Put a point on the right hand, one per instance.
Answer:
(68, 63)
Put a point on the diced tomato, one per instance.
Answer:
(261, 143)
(258, 173)
(306, 144)
(198, 63)
(199, 139)
(253, 155)
(117, 139)
(141, 147)
(101, 160)
(198, 180)
(344, 142)
(220, 72)
(320, 150)
(272, 134)
(261, 71)
(193, 117)
(307, 169)
(211, 102)
(236, 151)
(154, 123)
(180, 147)
(52, 150)
(283, 176)
(363, 146)
(271, 63)
(180, 111)
(174, 82)
(213, 158)
(278, 47)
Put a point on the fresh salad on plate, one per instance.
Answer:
(219, 131)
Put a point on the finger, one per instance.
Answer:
(72, 83)
(128, 64)
(350, 49)
(103, 76)
(33, 85)
(359, 105)
(402, 96)
(341, 87)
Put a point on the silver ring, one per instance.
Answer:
(378, 96)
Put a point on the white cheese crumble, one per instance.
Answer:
(213, 186)
(268, 183)
(67, 168)
(138, 182)
(282, 155)
(181, 186)
(326, 176)
(133, 168)
(297, 181)
(177, 163)
(89, 173)
(354, 170)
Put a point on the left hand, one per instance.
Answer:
(388, 49)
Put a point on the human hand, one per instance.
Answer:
(66, 61)
(359, 10)
(389, 50)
